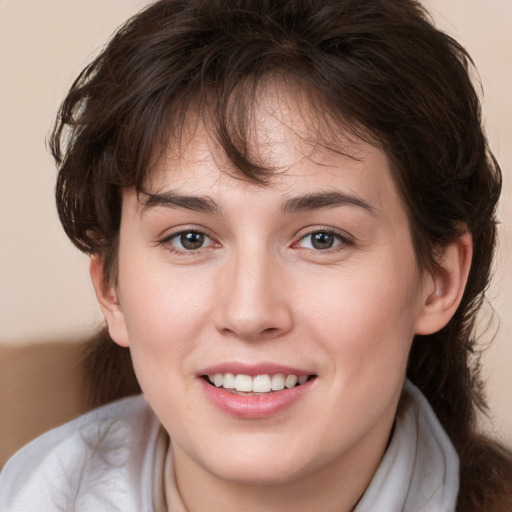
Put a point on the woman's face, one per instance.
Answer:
(226, 283)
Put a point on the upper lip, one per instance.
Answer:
(263, 368)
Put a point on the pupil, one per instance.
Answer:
(322, 240)
(192, 240)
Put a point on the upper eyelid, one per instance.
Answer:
(179, 233)
(345, 241)
(344, 235)
(335, 233)
(172, 233)
(166, 241)
(341, 239)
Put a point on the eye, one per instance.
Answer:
(321, 240)
(190, 241)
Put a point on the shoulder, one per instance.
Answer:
(90, 464)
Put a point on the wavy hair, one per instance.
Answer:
(382, 71)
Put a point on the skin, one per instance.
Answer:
(259, 291)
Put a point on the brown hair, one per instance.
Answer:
(383, 71)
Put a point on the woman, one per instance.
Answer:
(290, 212)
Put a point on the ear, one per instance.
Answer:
(107, 295)
(444, 289)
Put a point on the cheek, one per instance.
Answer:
(366, 315)
(163, 327)
(163, 310)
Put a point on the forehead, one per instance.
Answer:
(284, 131)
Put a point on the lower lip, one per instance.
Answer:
(254, 406)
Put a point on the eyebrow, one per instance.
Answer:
(171, 199)
(307, 202)
(321, 200)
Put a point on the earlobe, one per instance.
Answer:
(447, 285)
(107, 296)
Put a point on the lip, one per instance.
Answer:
(253, 369)
(253, 406)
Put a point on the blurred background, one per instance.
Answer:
(47, 305)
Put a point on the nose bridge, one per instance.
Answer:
(252, 302)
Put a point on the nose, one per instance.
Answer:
(253, 302)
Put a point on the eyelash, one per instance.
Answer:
(167, 241)
(340, 242)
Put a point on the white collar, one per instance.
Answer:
(420, 469)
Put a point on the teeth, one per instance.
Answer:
(228, 381)
(243, 383)
(260, 384)
(278, 382)
(290, 381)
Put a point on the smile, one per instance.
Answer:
(265, 383)
(255, 391)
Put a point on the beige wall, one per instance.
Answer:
(44, 286)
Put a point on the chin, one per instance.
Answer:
(262, 464)
(260, 474)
